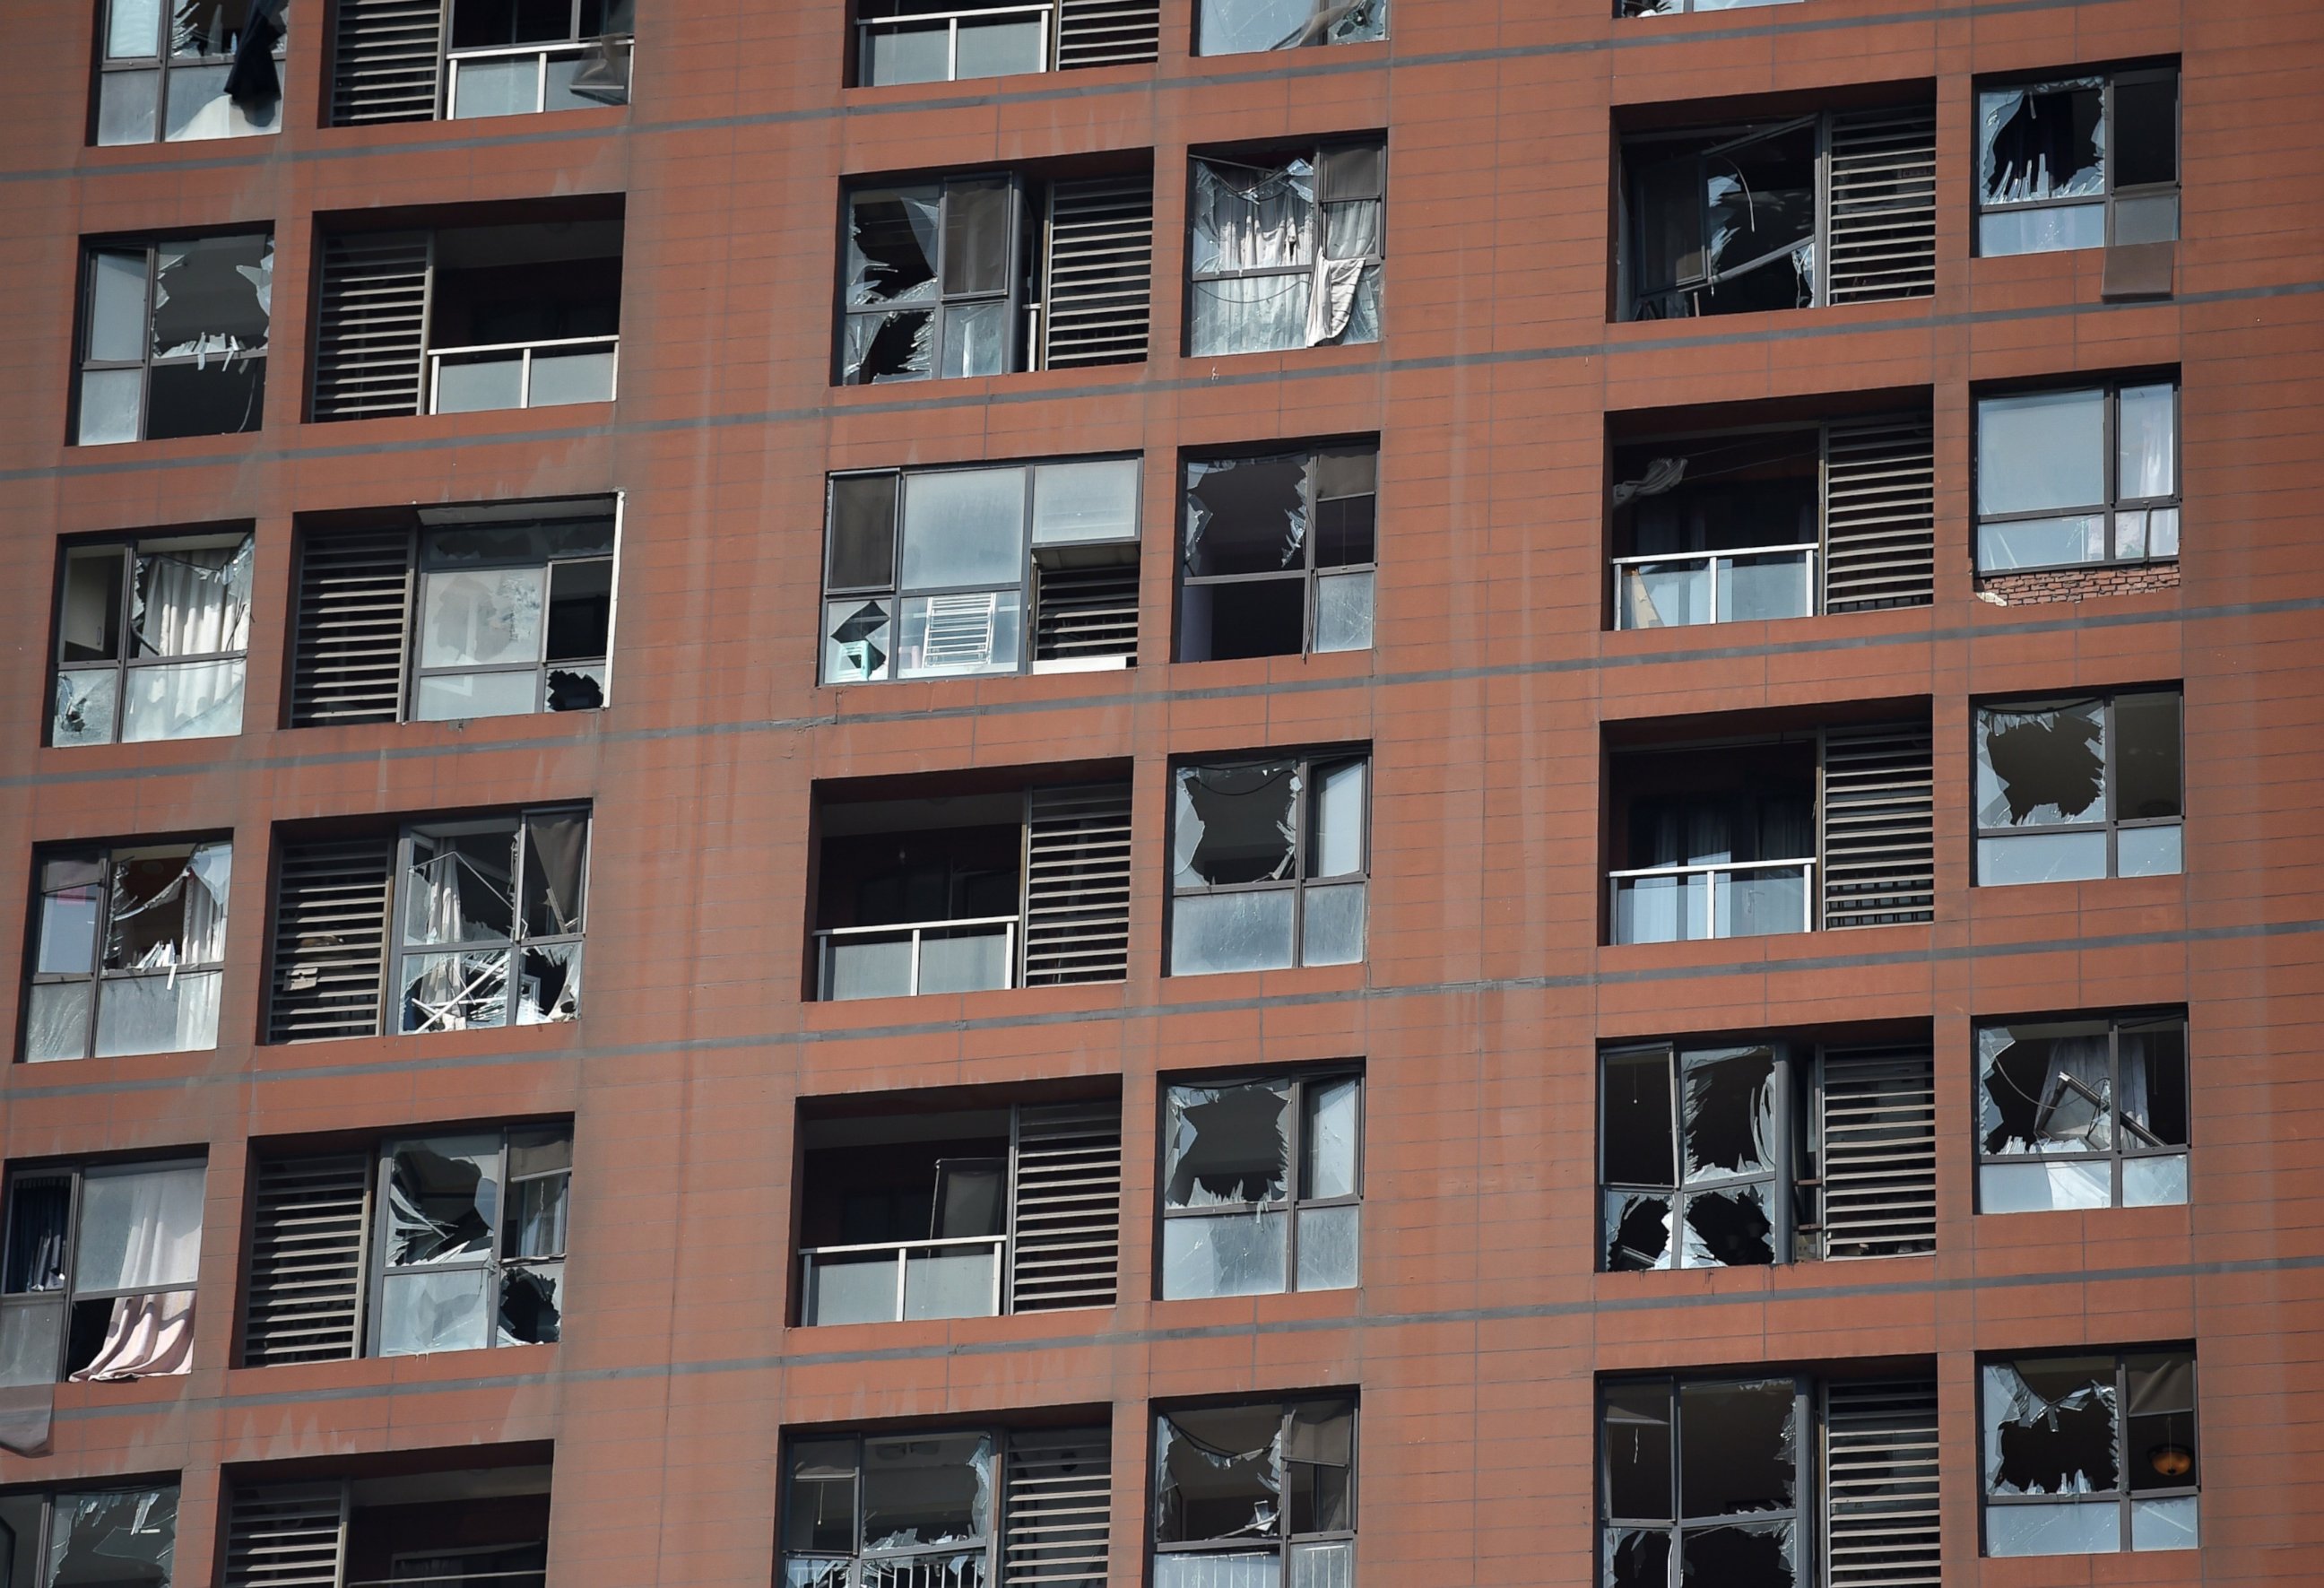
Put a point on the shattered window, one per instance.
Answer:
(2090, 1455)
(932, 573)
(2068, 791)
(933, 282)
(1704, 1480)
(514, 618)
(1288, 256)
(98, 1276)
(1716, 529)
(472, 1239)
(173, 339)
(1256, 1494)
(2082, 1114)
(150, 636)
(2082, 163)
(945, 40)
(901, 1508)
(177, 70)
(1262, 1185)
(1723, 222)
(1692, 1160)
(515, 57)
(2087, 476)
(94, 1538)
(491, 914)
(1279, 554)
(1269, 861)
(1237, 27)
(128, 946)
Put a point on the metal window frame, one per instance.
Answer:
(148, 361)
(1816, 482)
(1197, 52)
(399, 952)
(125, 662)
(859, 1557)
(1634, 296)
(1807, 1447)
(96, 977)
(1011, 295)
(162, 64)
(865, 27)
(378, 1268)
(2122, 1496)
(2110, 126)
(2114, 1156)
(448, 57)
(2111, 441)
(47, 1497)
(1281, 1541)
(1299, 1083)
(2112, 824)
(1312, 236)
(1308, 571)
(416, 672)
(1305, 765)
(1782, 1179)
(1689, 7)
(75, 1174)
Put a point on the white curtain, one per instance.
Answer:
(138, 1231)
(1248, 219)
(192, 603)
(148, 1336)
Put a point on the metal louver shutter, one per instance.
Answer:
(1880, 1485)
(1056, 1519)
(371, 327)
(385, 61)
(1884, 206)
(287, 1536)
(1077, 885)
(330, 940)
(304, 1302)
(1878, 818)
(1087, 613)
(355, 602)
(1879, 514)
(1065, 1206)
(1877, 1110)
(1108, 33)
(1099, 283)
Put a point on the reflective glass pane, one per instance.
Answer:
(187, 700)
(2147, 441)
(1775, 586)
(1760, 902)
(1231, 932)
(71, 890)
(920, 53)
(1077, 502)
(1343, 612)
(424, 1312)
(1330, 1131)
(858, 639)
(443, 697)
(31, 1340)
(1663, 595)
(454, 991)
(109, 402)
(85, 706)
(850, 1287)
(2154, 1182)
(2040, 542)
(1224, 1254)
(473, 382)
(1002, 47)
(56, 1021)
(2044, 1188)
(157, 1014)
(964, 961)
(1335, 848)
(503, 86)
(116, 311)
(133, 29)
(2047, 230)
(867, 966)
(2042, 857)
(1249, 314)
(975, 338)
(1662, 910)
(962, 634)
(1334, 932)
(126, 106)
(2040, 450)
(199, 108)
(1327, 1247)
(951, 1282)
(143, 1228)
(2149, 851)
(2088, 1527)
(580, 374)
(2164, 1524)
(964, 527)
(2150, 218)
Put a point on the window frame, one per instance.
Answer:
(2110, 124)
(996, 1520)
(1314, 238)
(1309, 572)
(1283, 1541)
(2114, 1156)
(1690, 7)
(2115, 504)
(862, 29)
(449, 55)
(1301, 1085)
(2122, 1496)
(2112, 824)
(1196, 51)
(1791, 1148)
(125, 661)
(1010, 294)
(85, 363)
(75, 1174)
(98, 976)
(42, 1567)
(495, 1261)
(399, 952)
(1807, 1506)
(1634, 295)
(165, 62)
(1305, 765)
(423, 565)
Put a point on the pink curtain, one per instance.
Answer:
(148, 1336)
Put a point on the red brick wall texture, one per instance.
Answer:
(1480, 1327)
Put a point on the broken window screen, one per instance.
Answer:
(492, 921)
(1288, 256)
(1256, 1494)
(1262, 1185)
(514, 618)
(931, 573)
(151, 637)
(189, 69)
(100, 1272)
(899, 1508)
(1723, 222)
(1270, 858)
(129, 943)
(1704, 1480)
(2090, 1454)
(1691, 1157)
(173, 339)
(1279, 557)
(515, 57)
(94, 1538)
(1717, 528)
(2088, 476)
(2082, 1114)
(2082, 163)
(933, 283)
(1237, 27)
(2075, 789)
(472, 1241)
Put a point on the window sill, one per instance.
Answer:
(382, 1373)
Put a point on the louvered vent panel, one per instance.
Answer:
(305, 1299)
(1077, 885)
(1880, 1127)
(1884, 206)
(1879, 514)
(286, 1537)
(330, 940)
(1086, 612)
(1101, 278)
(1880, 1483)
(355, 595)
(1066, 1207)
(1879, 833)
(1055, 1522)
(1108, 33)
(371, 327)
(385, 64)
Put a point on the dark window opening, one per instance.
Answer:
(2081, 162)
(2082, 1114)
(1713, 843)
(94, 1537)
(2071, 791)
(2090, 1454)
(1279, 554)
(524, 316)
(174, 338)
(1717, 528)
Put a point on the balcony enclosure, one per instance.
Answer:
(1716, 529)
(393, 1522)
(1712, 842)
(524, 316)
(948, 40)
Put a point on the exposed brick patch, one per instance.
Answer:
(2031, 586)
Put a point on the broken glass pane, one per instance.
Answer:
(1729, 1228)
(1765, 1556)
(1328, 1244)
(1217, 1474)
(1738, 1447)
(1761, 197)
(529, 1310)
(2050, 1427)
(454, 991)
(175, 1012)
(1226, 1254)
(1237, 27)
(1246, 515)
(897, 346)
(556, 873)
(927, 1489)
(191, 700)
(2154, 1182)
(1235, 824)
(2043, 1088)
(1637, 1231)
(858, 638)
(213, 296)
(1333, 930)
(2045, 141)
(2041, 451)
(1729, 1124)
(819, 1512)
(2041, 765)
(548, 984)
(169, 907)
(461, 885)
(443, 1199)
(891, 245)
(1638, 1433)
(1344, 613)
(1226, 1145)
(964, 526)
(56, 1024)
(121, 1538)
(424, 1312)
(1637, 1558)
(469, 617)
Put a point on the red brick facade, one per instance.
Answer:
(2031, 586)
